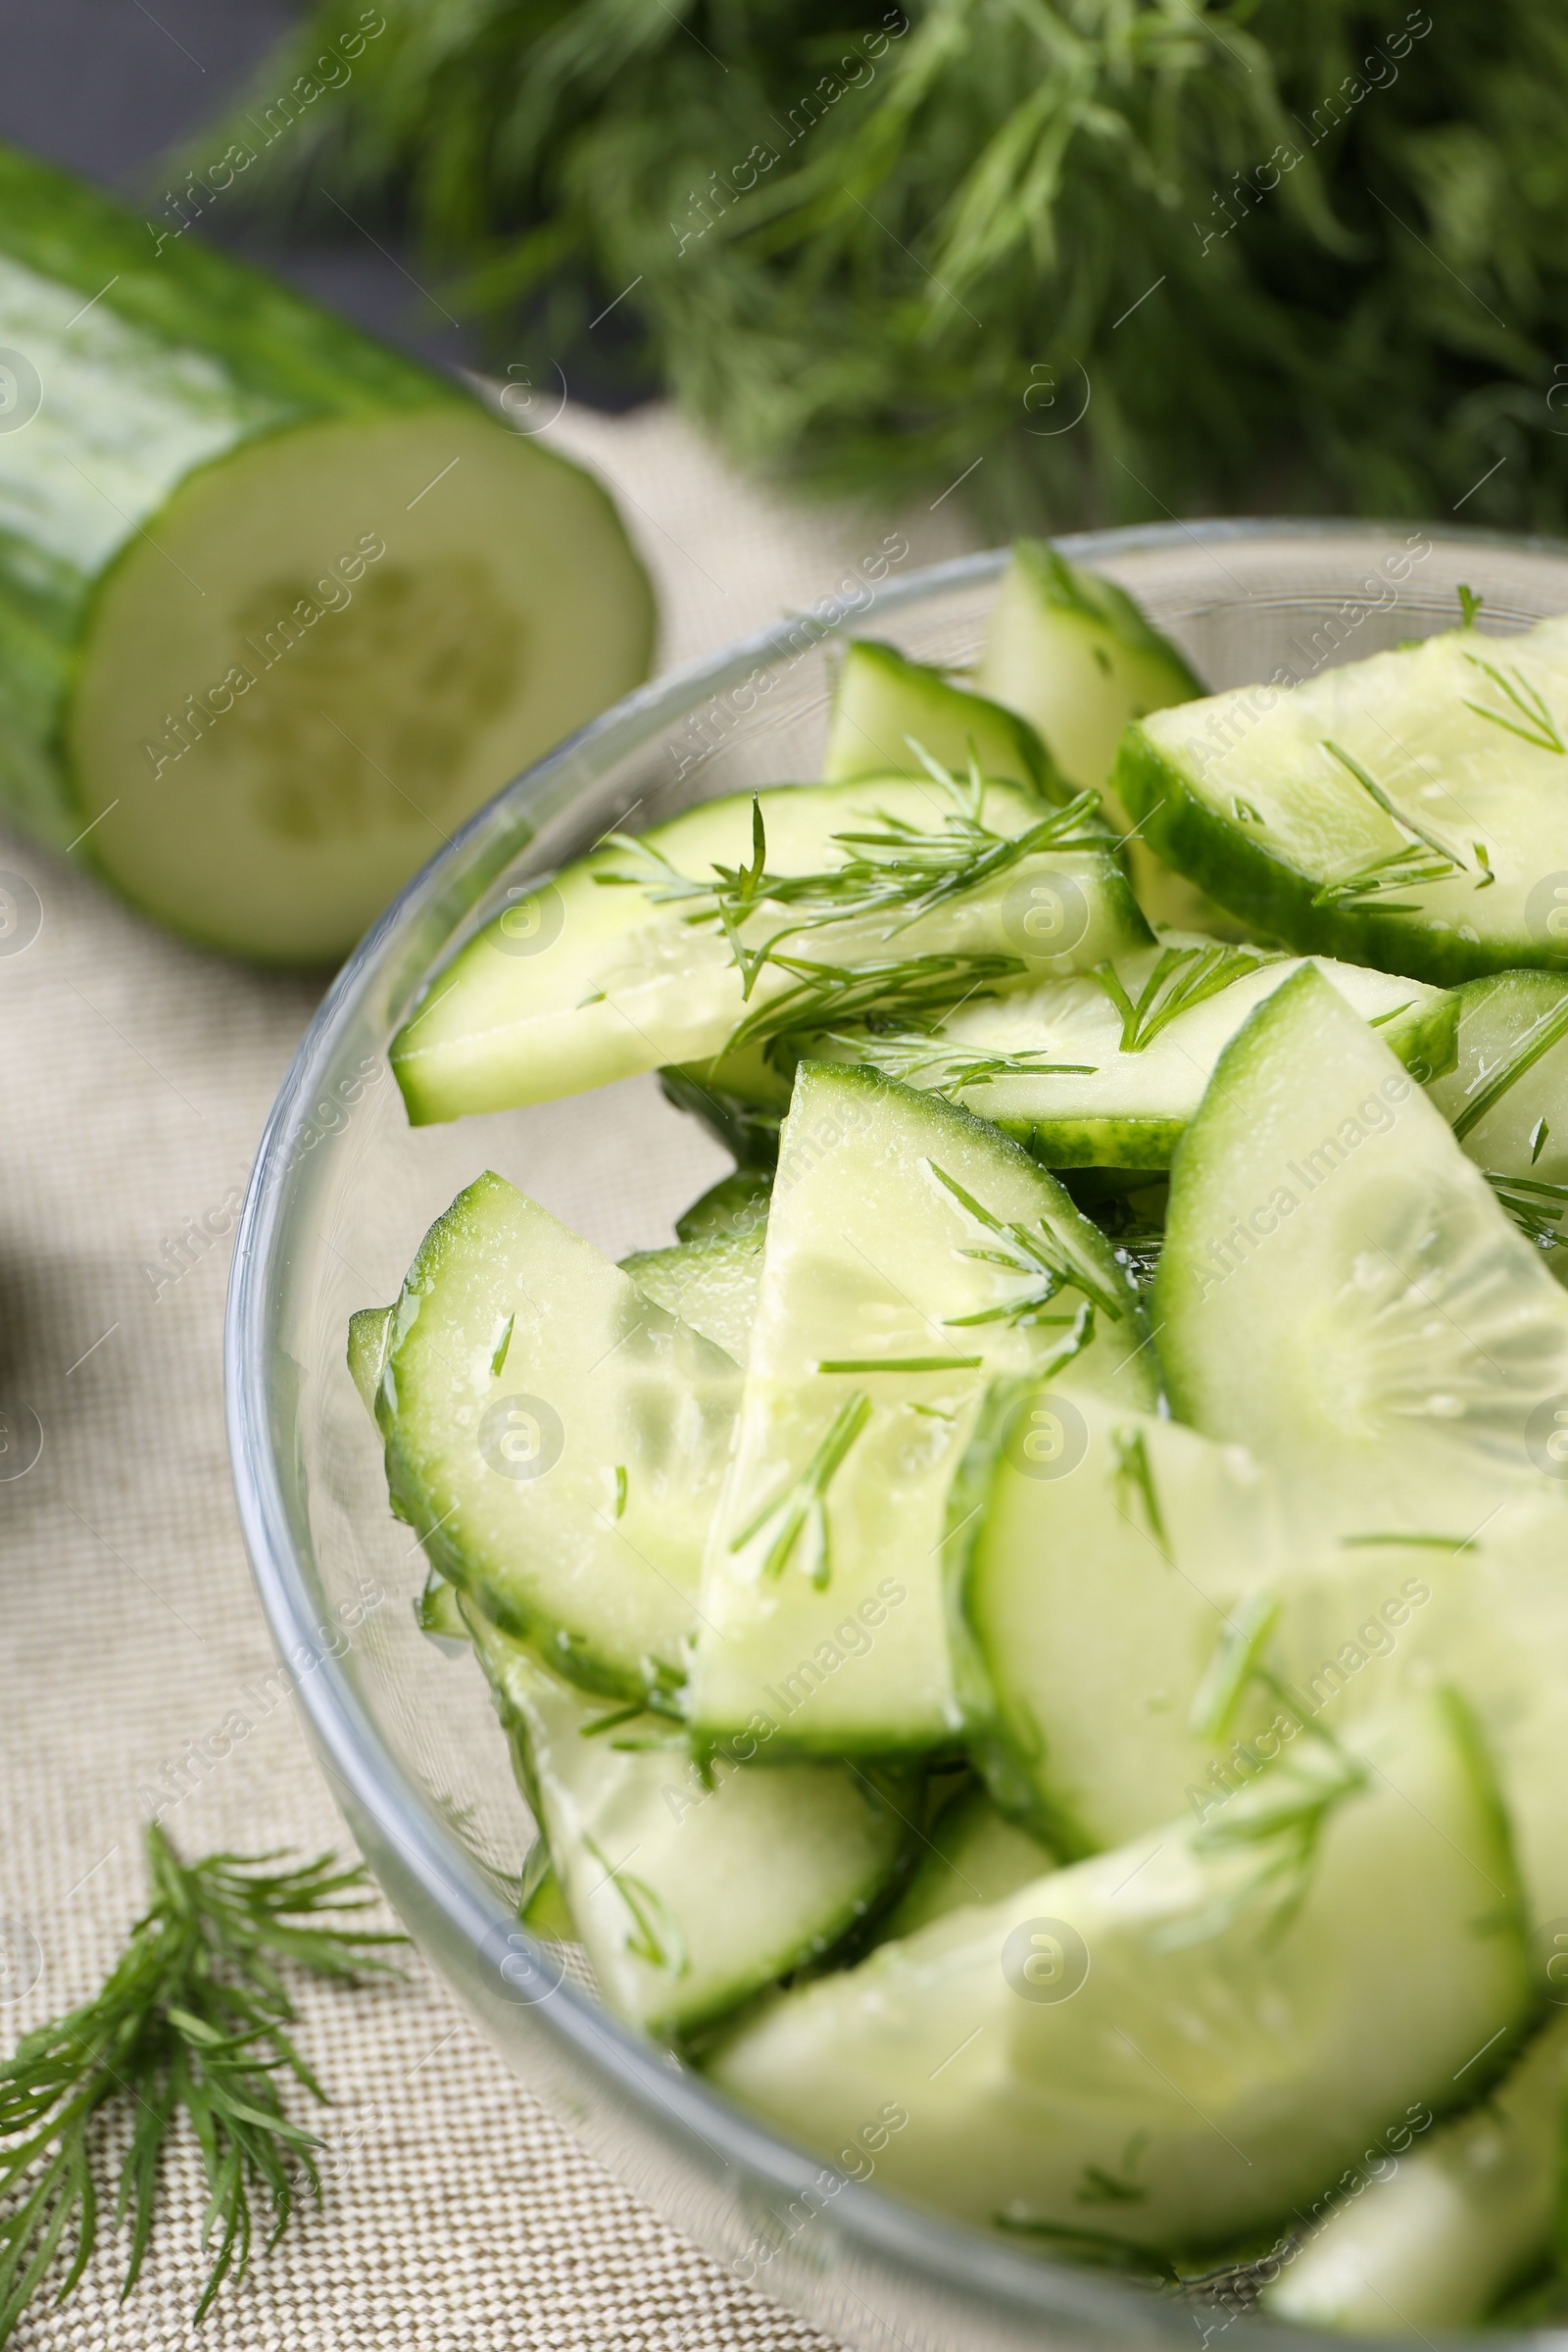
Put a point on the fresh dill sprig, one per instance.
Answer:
(1391, 808)
(655, 1934)
(1279, 1820)
(802, 1506)
(939, 1065)
(1548, 1030)
(1533, 721)
(193, 2020)
(1181, 978)
(1536, 1208)
(892, 870)
(1041, 1257)
(901, 987)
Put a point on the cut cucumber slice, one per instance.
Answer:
(1100, 1561)
(740, 1098)
(1507, 1100)
(1338, 1289)
(863, 893)
(1175, 2043)
(973, 1854)
(911, 1254)
(556, 1442)
(1406, 812)
(278, 608)
(1436, 2239)
(438, 1614)
(885, 705)
(1106, 1069)
(1073, 653)
(369, 1336)
(689, 1895)
(733, 1208)
(710, 1286)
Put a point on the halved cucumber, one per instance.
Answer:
(278, 607)
(1072, 652)
(1454, 2221)
(1105, 1070)
(1175, 2043)
(885, 705)
(1507, 1099)
(556, 1442)
(689, 1892)
(1406, 812)
(838, 896)
(911, 1254)
(972, 1854)
(710, 1286)
(1100, 1561)
(1338, 1289)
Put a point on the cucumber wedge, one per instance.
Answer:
(731, 1209)
(838, 896)
(912, 1253)
(887, 710)
(689, 1895)
(556, 1442)
(973, 1854)
(1089, 1607)
(1338, 1289)
(1506, 1098)
(1406, 812)
(1176, 2043)
(278, 608)
(369, 1336)
(710, 1286)
(1434, 2240)
(1106, 1069)
(1072, 652)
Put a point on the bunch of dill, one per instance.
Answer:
(1116, 257)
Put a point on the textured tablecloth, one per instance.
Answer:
(137, 1075)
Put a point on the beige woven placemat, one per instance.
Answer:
(136, 1076)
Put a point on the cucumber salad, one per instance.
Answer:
(1035, 1634)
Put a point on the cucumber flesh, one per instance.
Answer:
(556, 1442)
(1241, 2016)
(733, 1208)
(902, 1233)
(1436, 2239)
(1338, 1289)
(882, 885)
(438, 1614)
(1106, 1069)
(888, 709)
(973, 1854)
(1088, 1606)
(1507, 1099)
(1072, 652)
(688, 1895)
(369, 1335)
(1406, 812)
(710, 1286)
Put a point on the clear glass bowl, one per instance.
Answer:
(344, 1188)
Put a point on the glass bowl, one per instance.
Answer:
(343, 1191)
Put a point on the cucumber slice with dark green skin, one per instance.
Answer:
(972, 1854)
(1446, 2225)
(912, 1253)
(1506, 1099)
(278, 608)
(689, 1895)
(710, 1286)
(839, 897)
(1106, 1069)
(885, 705)
(1175, 2043)
(556, 1442)
(1406, 812)
(1100, 1560)
(732, 1209)
(369, 1335)
(1072, 652)
(740, 1098)
(1338, 1289)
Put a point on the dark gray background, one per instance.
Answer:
(110, 86)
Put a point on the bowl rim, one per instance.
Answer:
(356, 1758)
